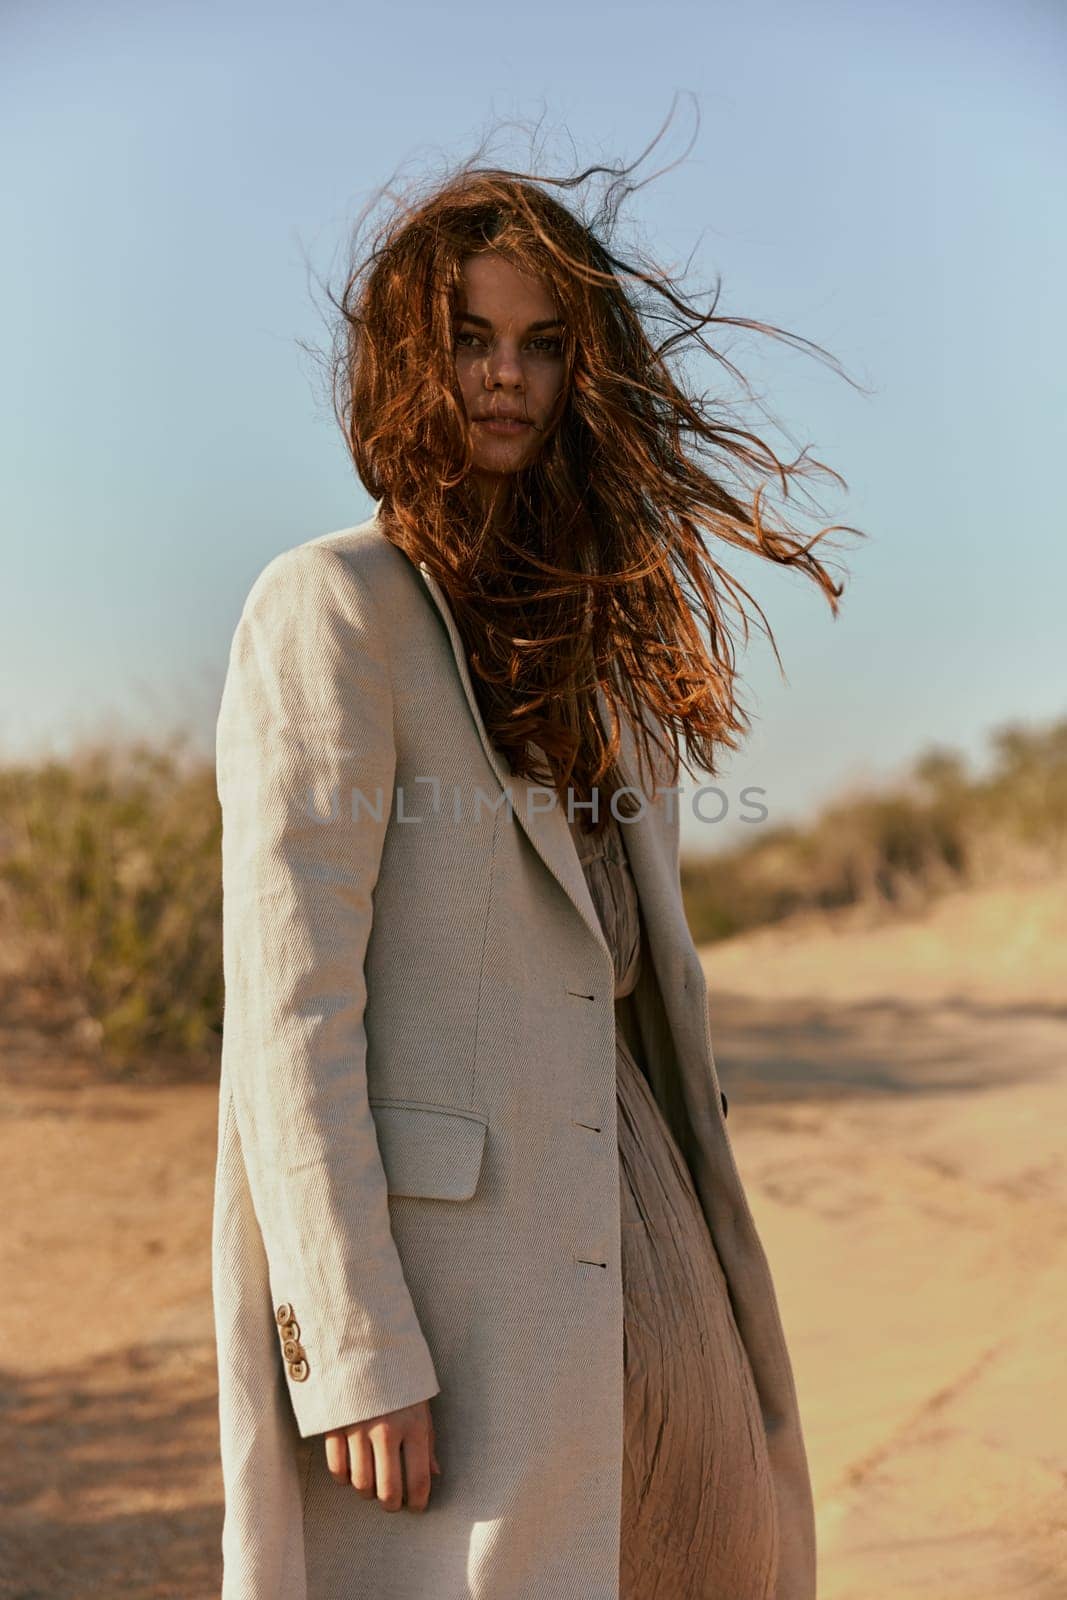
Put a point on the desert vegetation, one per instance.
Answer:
(110, 892)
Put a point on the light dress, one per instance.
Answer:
(699, 1520)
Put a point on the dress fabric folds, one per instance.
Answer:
(699, 1518)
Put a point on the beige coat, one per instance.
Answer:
(417, 1189)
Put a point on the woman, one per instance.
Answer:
(481, 1248)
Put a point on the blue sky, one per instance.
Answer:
(886, 180)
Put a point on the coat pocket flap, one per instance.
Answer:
(430, 1152)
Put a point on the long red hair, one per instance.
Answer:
(606, 571)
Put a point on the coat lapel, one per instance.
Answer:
(550, 835)
(677, 967)
(547, 829)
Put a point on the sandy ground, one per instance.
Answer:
(897, 1107)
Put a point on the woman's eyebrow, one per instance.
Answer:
(484, 322)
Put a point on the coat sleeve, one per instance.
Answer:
(305, 763)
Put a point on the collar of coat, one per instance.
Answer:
(648, 837)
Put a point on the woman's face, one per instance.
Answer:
(508, 342)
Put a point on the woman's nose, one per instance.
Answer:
(502, 366)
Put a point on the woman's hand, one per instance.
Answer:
(368, 1455)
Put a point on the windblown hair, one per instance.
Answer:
(606, 566)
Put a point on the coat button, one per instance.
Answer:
(298, 1371)
(284, 1313)
(290, 1330)
(292, 1350)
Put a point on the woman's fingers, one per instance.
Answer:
(416, 1449)
(391, 1457)
(337, 1455)
(361, 1458)
(385, 1437)
(435, 1465)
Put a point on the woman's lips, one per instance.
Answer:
(502, 425)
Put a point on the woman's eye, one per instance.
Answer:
(546, 342)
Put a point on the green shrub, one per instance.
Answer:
(112, 860)
(942, 827)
